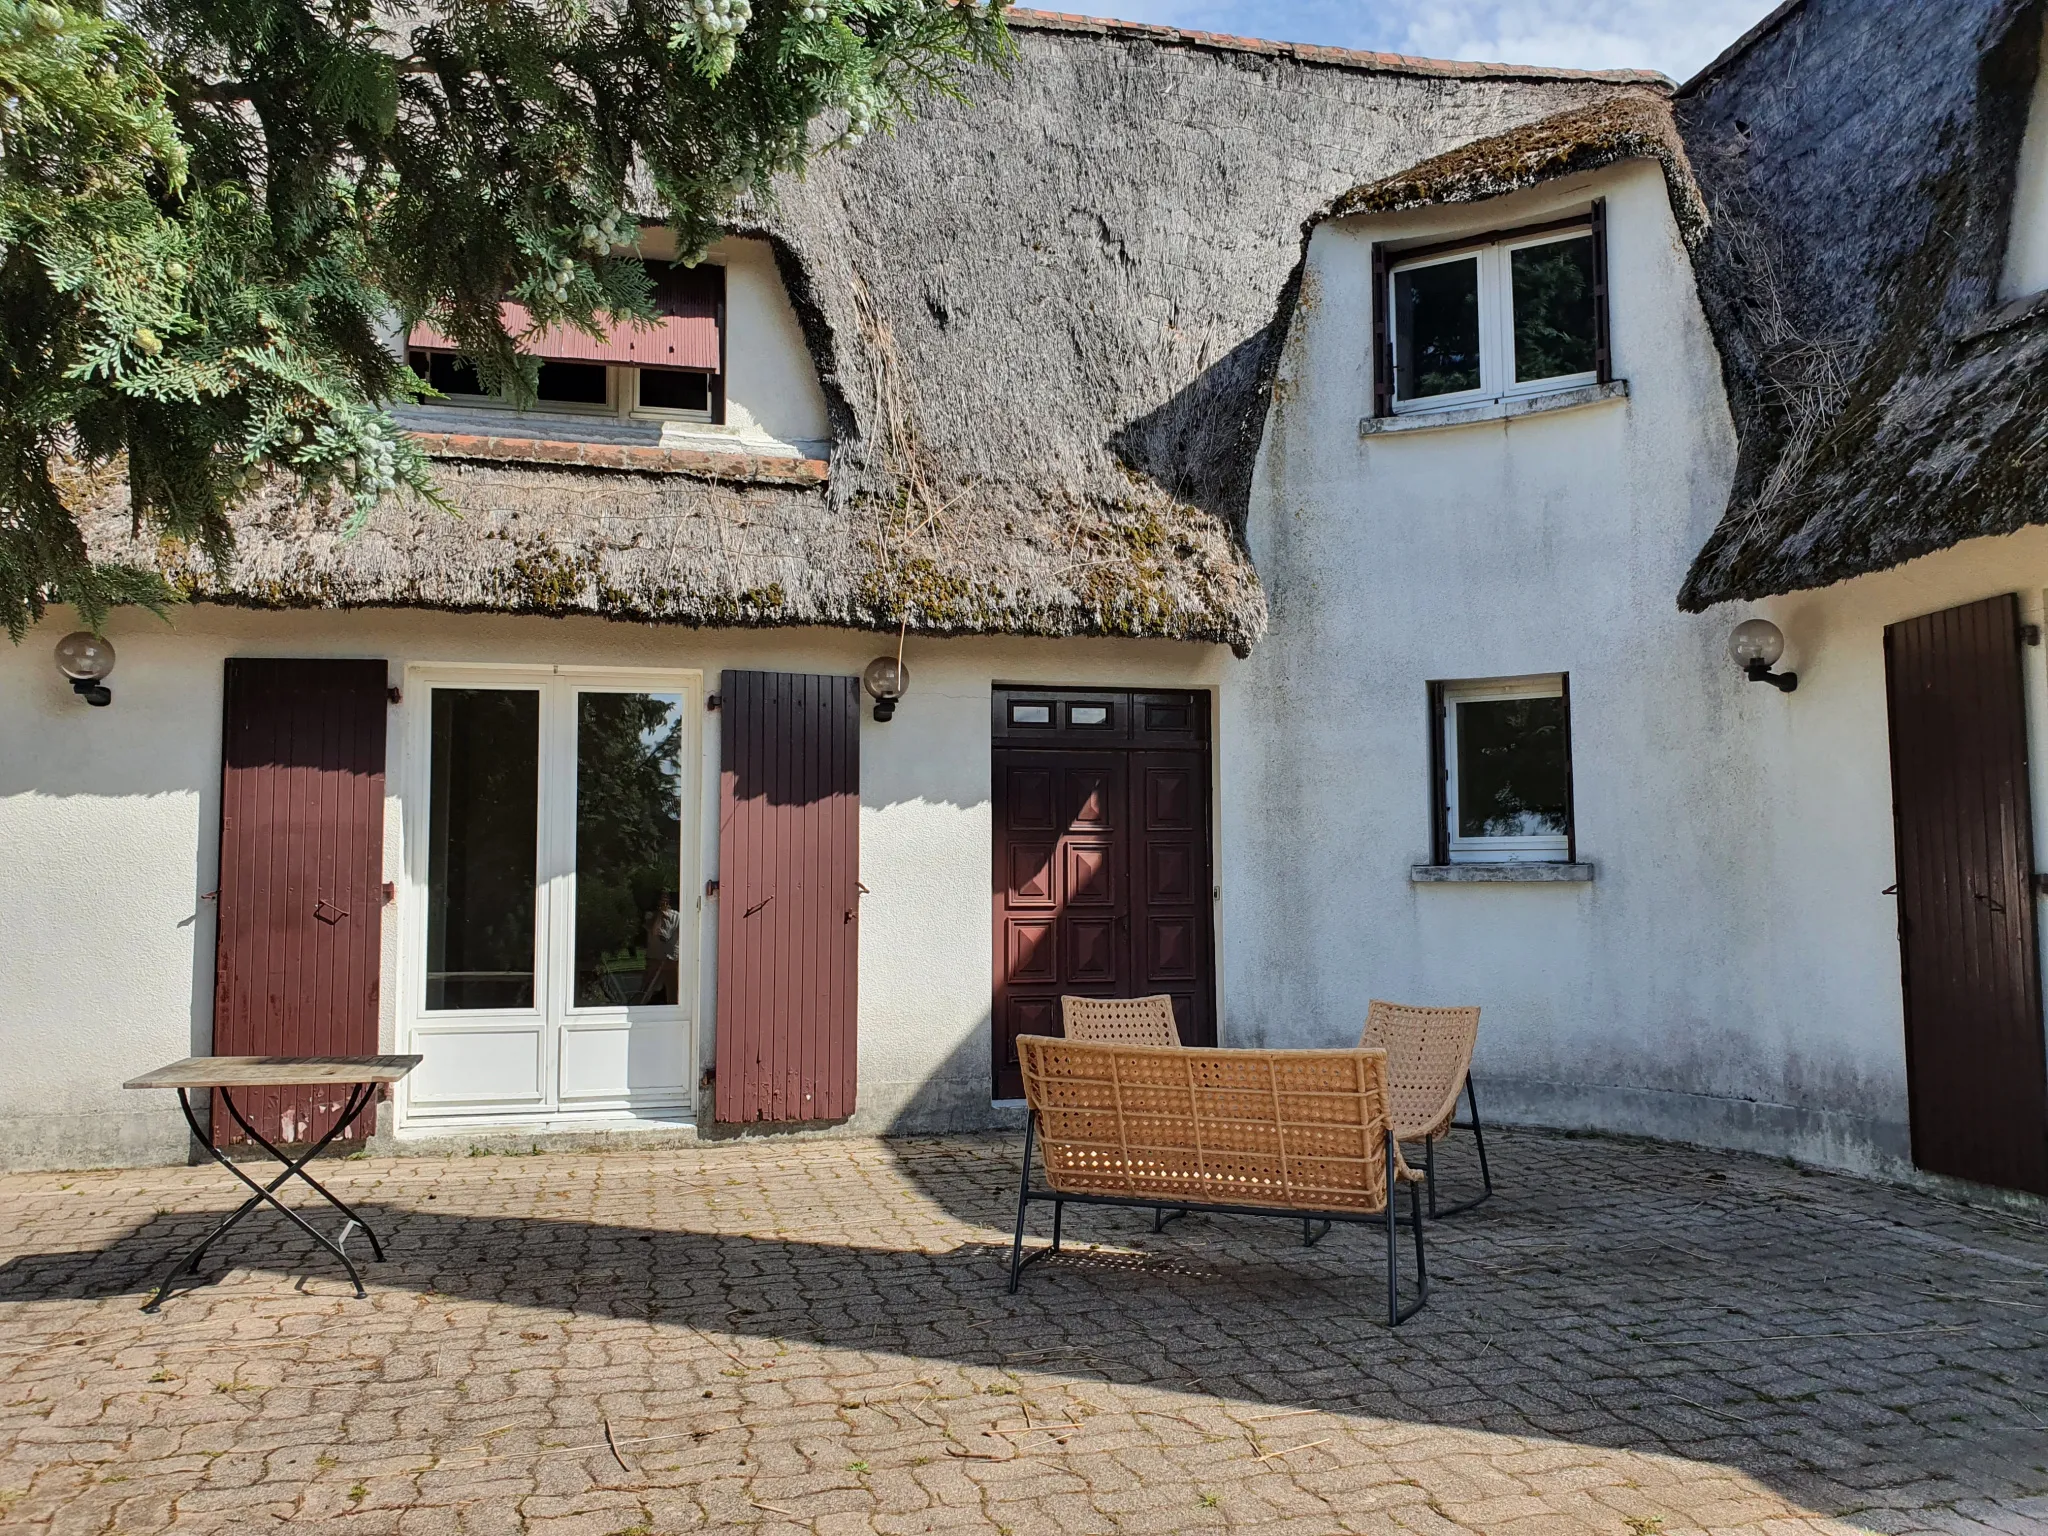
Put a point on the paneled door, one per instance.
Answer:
(1975, 1073)
(301, 878)
(1101, 877)
(553, 905)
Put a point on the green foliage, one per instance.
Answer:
(215, 216)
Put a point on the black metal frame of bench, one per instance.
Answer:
(1396, 1313)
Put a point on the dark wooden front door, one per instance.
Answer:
(1101, 878)
(301, 878)
(1975, 1071)
(788, 896)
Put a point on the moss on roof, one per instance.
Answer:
(1636, 125)
(1859, 157)
(1043, 322)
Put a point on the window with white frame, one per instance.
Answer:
(1504, 770)
(1491, 317)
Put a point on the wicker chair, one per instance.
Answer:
(1120, 1020)
(1429, 1062)
(1301, 1135)
(1124, 1021)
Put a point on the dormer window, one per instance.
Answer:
(673, 368)
(1489, 317)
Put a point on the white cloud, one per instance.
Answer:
(1675, 36)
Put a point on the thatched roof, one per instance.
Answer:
(1044, 323)
(1858, 157)
(1626, 126)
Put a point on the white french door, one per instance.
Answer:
(551, 951)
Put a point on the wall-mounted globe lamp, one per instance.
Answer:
(886, 680)
(86, 659)
(1756, 645)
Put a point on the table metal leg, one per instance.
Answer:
(360, 1098)
(349, 1112)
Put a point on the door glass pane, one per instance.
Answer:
(1553, 297)
(481, 847)
(628, 848)
(1511, 768)
(1436, 329)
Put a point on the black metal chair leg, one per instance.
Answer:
(1393, 1244)
(1023, 1205)
(1429, 1172)
(1309, 1235)
(1478, 1131)
(1421, 1262)
(1059, 1212)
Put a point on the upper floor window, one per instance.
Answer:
(675, 367)
(1496, 315)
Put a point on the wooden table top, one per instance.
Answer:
(275, 1071)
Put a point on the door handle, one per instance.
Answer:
(338, 912)
(1990, 901)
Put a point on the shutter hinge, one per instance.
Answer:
(390, 893)
(2030, 634)
(712, 701)
(395, 695)
(710, 888)
(2041, 885)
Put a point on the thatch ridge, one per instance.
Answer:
(1886, 406)
(1316, 53)
(1043, 322)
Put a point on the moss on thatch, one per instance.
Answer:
(1632, 126)
(1859, 159)
(1044, 322)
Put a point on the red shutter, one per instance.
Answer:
(788, 896)
(301, 878)
(687, 333)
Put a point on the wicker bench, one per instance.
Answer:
(1300, 1134)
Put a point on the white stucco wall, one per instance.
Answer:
(1731, 975)
(2026, 255)
(109, 821)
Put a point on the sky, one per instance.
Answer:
(1678, 37)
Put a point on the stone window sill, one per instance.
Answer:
(702, 463)
(1526, 873)
(1494, 410)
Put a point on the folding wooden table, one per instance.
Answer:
(367, 1079)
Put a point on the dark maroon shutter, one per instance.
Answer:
(1382, 339)
(301, 878)
(1603, 349)
(788, 896)
(1964, 824)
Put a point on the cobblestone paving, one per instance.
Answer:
(813, 1336)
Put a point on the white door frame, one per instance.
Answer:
(552, 1020)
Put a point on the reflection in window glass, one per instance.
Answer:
(674, 389)
(1511, 768)
(481, 845)
(1553, 305)
(628, 848)
(572, 383)
(1436, 329)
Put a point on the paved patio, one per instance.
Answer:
(813, 1336)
